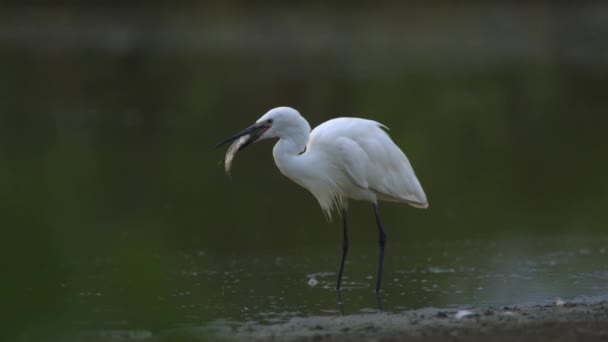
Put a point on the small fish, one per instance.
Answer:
(232, 150)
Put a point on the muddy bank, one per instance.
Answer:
(584, 319)
(559, 321)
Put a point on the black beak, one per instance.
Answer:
(255, 131)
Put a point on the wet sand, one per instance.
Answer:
(559, 321)
(578, 320)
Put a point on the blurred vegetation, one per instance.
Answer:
(109, 118)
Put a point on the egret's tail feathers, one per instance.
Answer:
(424, 205)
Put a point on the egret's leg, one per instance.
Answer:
(379, 301)
(381, 244)
(344, 249)
(340, 303)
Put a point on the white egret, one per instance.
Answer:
(341, 159)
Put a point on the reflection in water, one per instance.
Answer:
(379, 301)
(340, 303)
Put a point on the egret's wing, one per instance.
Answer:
(370, 158)
(390, 173)
(354, 159)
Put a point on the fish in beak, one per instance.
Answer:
(241, 140)
(254, 132)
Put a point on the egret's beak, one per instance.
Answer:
(255, 132)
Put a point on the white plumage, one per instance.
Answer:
(341, 159)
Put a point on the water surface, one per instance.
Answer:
(201, 289)
(117, 215)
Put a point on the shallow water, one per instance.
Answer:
(118, 216)
(212, 290)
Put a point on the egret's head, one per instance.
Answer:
(277, 122)
(280, 122)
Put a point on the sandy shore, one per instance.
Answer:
(560, 321)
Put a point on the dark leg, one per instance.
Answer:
(381, 244)
(379, 301)
(344, 249)
(340, 303)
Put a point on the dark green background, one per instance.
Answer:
(109, 117)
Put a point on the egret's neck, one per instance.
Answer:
(287, 151)
(289, 147)
(308, 169)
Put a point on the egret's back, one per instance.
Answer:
(369, 161)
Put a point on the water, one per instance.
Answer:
(105, 293)
(117, 214)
